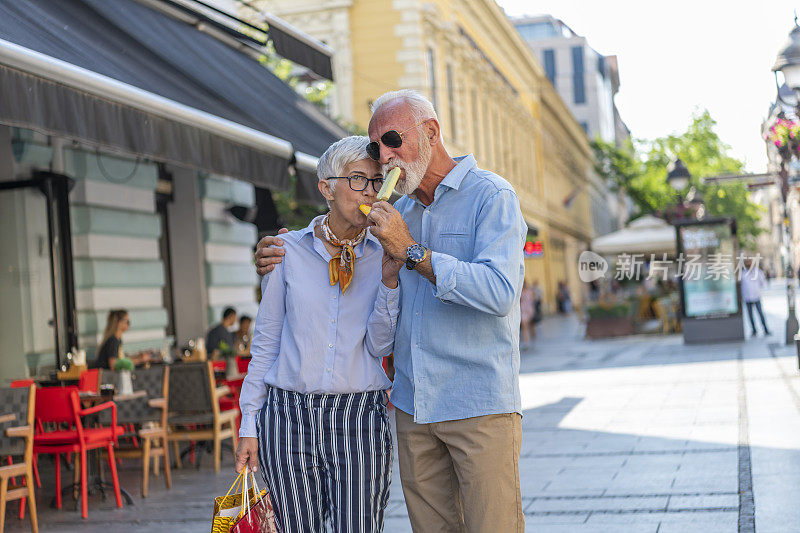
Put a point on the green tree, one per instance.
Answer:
(622, 168)
(642, 173)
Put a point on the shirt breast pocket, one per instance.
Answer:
(454, 241)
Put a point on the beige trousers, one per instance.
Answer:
(462, 475)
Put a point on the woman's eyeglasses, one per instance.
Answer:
(390, 139)
(359, 183)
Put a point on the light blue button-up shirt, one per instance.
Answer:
(311, 338)
(456, 353)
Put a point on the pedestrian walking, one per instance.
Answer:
(461, 233)
(314, 399)
(527, 311)
(752, 281)
(563, 299)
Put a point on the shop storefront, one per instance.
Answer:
(123, 163)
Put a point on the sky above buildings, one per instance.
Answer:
(675, 57)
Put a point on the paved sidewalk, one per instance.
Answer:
(640, 434)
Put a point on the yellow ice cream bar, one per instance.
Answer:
(388, 185)
(386, 190)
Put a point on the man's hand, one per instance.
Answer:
(390, 229)
(268, 253)
(247, 454)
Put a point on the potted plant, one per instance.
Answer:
(609, 318)
(124, 367)
(229, 355)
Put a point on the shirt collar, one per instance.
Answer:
(359, 250)
(465, 163)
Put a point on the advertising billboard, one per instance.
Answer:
(707, 254)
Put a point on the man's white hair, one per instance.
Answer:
(421, 107)
(339, 155)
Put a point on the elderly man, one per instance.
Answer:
(456, 388)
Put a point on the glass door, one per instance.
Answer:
(37, 304)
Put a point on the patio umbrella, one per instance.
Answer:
(645, 235)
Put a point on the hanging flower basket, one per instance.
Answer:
(785, 135)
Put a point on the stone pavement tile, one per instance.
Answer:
(724, 524)
(541, 505)
(396, 508)
(660, 444)
(577, 483)
(652, 461)
(776, 502)
(779, 523)
(599, 461)
(596, 472)
(640, 485)
(620, 521)
(540, 522)
(396, 525)
(705, 501)
(588, 528)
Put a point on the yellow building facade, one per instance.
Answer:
(492, 97)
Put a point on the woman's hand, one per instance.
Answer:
(390, 267)
(268, 253)
(247, 454)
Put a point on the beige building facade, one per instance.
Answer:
(492, 97)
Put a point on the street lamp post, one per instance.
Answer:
(788, 62)
(690, 205)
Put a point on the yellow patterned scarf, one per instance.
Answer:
(343, 265)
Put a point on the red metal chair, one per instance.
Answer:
(61, 405)
(231, 401)
(89, 380)
(242, 363)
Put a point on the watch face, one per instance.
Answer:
(416, 252)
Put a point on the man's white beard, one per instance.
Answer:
(414, 171)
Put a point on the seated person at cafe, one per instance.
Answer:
(243, 335)
(117, 323)
(221, 332)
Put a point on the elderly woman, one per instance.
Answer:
(314, 400)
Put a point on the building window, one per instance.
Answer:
(451, 102)
(578, 89)
(585, 127)
(550, 65)
(538, 30)
(432, 77)
(601, 66)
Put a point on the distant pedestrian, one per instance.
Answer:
(527, 312)
(752, 281)
(563, 300)
(538, 296)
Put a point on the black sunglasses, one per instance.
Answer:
(359, 183)
(390, 139)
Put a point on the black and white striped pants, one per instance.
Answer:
(326, 457)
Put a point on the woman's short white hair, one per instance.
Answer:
(421, 107)
(339, 155)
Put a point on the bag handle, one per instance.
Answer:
(245, 495)
(235, 484)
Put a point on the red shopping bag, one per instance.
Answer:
(257, 515)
